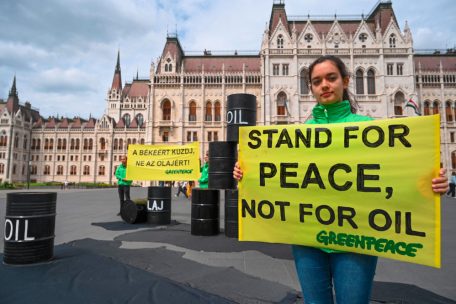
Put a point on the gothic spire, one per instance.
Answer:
(117, 79)
(118, 62)
(13, 91)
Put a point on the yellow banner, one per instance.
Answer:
(361, 187)
(163, 162)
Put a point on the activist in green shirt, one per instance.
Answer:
(320, 270)
(123, 185)
(204, 179)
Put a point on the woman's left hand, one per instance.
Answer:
(440, 184)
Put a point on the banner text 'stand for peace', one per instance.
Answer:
(367, 179)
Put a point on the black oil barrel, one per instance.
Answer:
(133, 213)
(231, 213)
(159, 205)
(29, 227)
(222, 157)
(205, 212)
(241, 111)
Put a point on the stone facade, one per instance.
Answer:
(185, 97)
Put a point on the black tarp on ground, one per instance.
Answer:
(79, 276)
(226, 282)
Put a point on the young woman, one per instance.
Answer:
(320, 270)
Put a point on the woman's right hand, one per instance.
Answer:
(237, 172)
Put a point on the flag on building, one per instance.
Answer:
(411, 104)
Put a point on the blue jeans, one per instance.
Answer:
(351, 275)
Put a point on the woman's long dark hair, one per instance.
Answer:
(343, 72)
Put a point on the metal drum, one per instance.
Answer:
(133, 213)
(29, 227)
(231, 213)
(205, 212)
(159, 205)
(222, 157)
(241, 111)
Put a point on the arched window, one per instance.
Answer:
(2, 168)
(102, 143)
(168, 65)
(140, 119)
(127, 120)
(166, 108)
(86, 170)
(192, 111)
(370, 81)
(453, 160)
(72, 141)
(281, 100)
(46, 144)
(59, 144)
(304, 82)
(426, 110)
(90, 143)
(101, 170)
(16, 140)
(141, 141)
(73, 170)
(359, 80)
(280, 42)
(121, 144)
(454, 112)
(116, 142)
(448, 111)
(47, 170)
(59, 170)
(38, 144)
(64, 143)
(77, 144)
(208, 110)
(24, 144)
(392, 41)
(51, 144)
(217, 111)
(435, 107)
(399, 103)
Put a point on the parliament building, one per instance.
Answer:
(184, 98)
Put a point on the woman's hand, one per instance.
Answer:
(237, 172)
(440, 184)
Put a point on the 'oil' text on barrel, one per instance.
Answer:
(29, 227)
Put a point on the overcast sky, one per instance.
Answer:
(63, 52)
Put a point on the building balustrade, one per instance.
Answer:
(338, 51)
(309, 52)
(366, 51)
(395, 51)
(281, 51)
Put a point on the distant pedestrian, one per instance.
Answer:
(123, 185)
(189, 189)
(181, 187)
(452, 185)
(204, 179)
(65, 185)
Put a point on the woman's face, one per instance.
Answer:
(327, 83)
